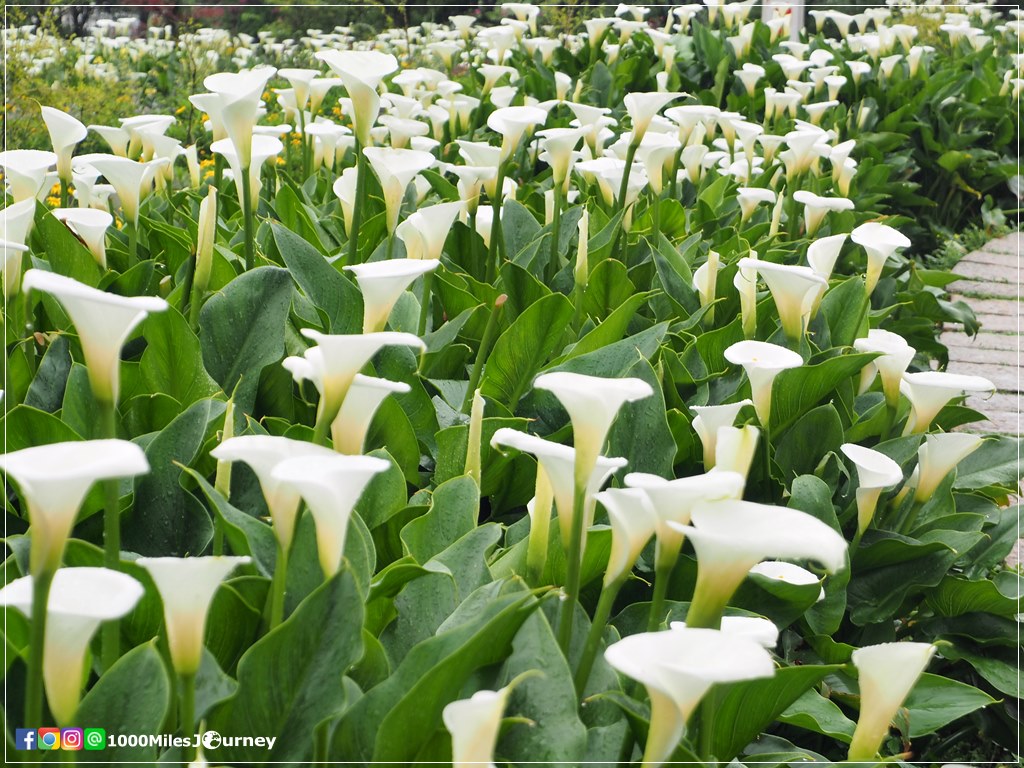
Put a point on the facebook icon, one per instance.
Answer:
(24, 738)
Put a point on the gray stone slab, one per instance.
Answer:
(972, 270)
(1008, 244)
(1000, 402)
(998, 422)
(957, 338)
(974, 354)
(972, 289)
(999, 323)
(993, 306)
(1005, 377)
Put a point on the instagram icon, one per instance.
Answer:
(71, 738)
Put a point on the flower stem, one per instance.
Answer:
(321, 737)
(662, 574)
(572, 579)
(495, 249)
(277, 587)
(320, 429)
(247, 217)
(64, 197)
(428, 284)
(601, 614)
(111, 638)
(490, 334)
(556, 226)
(357, 213)
(133, 244)
(34, 686)
(188, 711)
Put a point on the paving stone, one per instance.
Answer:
(986, 289)
(972, 270)
(957, 338)
(999, 323)
(993, 306)
(1000, 402)
(1008, 244)
(1005, 377)
(975, 354)
(1001, 422)
(995, 258)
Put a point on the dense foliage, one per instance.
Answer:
(337, 349)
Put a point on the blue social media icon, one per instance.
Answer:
(25, 738)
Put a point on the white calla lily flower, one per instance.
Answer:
(674, 500)
(362, 73)
(790, 573)
(929, 391)
(474, 724)
(633, 521)
(705, 280)
(104, 322)
(592, 403)
(642, 107)
(16, 221)
(263, 453)
(880, 241)
(513, 123)
(707, 419)
(762, 362)
(344, 189)
(365, 396)
(426, 230)
(91, 226)
(382, 283)
(80, 600)
(886, 674)
(761, 631)
(12, 264)
(875, 473)
(751, 197)
(66, 132)
(238, 108)
(823, 253)
(735, 449)
(25, 171)
(54, 480)
(677, 668)
(894, 358)
(396, 168)
(795, 291)
(817, 207)
(187, 586)
(331, 487)
(132, 180)
(731, 537)
(937, 457)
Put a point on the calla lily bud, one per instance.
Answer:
(345, 190)
(937, 457)
(886, 675)
(880, 242)
(91, 227)
(762, 362)
(891, 364)
(735, 450)
(581, 272)
(396, 169)
(558, 463)
(104, 322)
(187, 586)
(474, 724)
(875, 473)
(633, 522)
(195, 171)
(80, 600)
(331, 486)
(54, 480)
(382, 283)
(677, 668)
(706, 421)
(592, 403)
(473, 447)
(263, 453)
(929, 391)
(66, 132)
(204, 243)
(731, 537)
(745, 283)
(705, 280)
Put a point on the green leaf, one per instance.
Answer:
(394, 720)
(291, 679)
(814, 435)
(611, 329)
(173, 361)
(26, 427)
(523, 349)
(744, 709)
(46, 392)
(165, 519)
(453, 513)
(845, 308)
(813, 712)
(937, 701)
(798, 390)
(242, 329)
(956, 596)
(996, 463)
(331, 292)
(64, 251)
(119, 703)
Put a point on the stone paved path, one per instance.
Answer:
(991, 282)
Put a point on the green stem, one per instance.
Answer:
(111, 638)
(556, 226)
(601, 615)
(321, 736)
(389, 249)
(357, 213)
(495, 249)
(662, 575)
(490, 334)
(188, 712)
(706, 729)
(133, 243)
(277, 587)
(572, 579)
(428, 284)
(656, 216)
(624, 185)
(64, 197)
(911, 519)
(218, 170)
(34, 685)
(248, 221)
(323, 424)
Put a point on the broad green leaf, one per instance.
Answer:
(813, 712)
(995, 463)
(937, 701)
(798, 390)
(173, 361)
(47, 389)
(453, 512)
(242, 329)
(291, 679)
